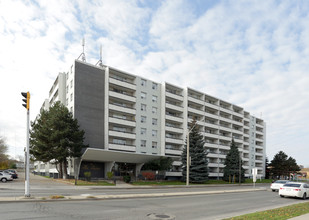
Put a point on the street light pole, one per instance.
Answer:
(188, 155)
(239, 168)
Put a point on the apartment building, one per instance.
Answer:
(130, 119)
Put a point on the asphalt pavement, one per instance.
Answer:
(39, 182)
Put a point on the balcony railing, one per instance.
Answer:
(123, 105)
(127, 132)
(121, 79)
(126, 119)
(173, 92)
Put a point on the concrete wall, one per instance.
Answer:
(89, 103)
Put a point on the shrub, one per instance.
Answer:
(127, 179)
(149, 175)
(110, 175)
(87, 175)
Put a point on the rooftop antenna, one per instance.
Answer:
(82, 55)
(100, 61)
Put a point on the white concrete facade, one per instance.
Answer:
(147, 119)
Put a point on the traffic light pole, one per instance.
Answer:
(27, 185)
(26, 104)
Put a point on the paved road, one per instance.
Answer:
(211, 206)
(216, 206)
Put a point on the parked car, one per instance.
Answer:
(14, 175)
(275, 186)
(5, 177)
(295, 189)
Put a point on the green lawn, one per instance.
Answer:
(162, 183)
(87, 183)
(282, 213)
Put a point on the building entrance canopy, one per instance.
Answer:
(102, 155)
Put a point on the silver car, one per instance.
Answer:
(5, 177)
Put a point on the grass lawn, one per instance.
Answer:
(87, 183)
(162, 183)
(282, 213)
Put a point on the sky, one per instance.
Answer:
(254, 54)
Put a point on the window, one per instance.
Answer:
(71, 83)
(143, 82)
(71, 97)
(143, 143)
(67, 89)
(154, 86)
(154, 110)
(154, 145)
(143, 119)
(143, 95)
(143, 107)
(143, 131)
(67, 101)
(154, 98)
(154, 121)
(154, 133)
(71, 109)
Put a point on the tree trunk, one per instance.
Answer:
(65, 170)
(60, 170)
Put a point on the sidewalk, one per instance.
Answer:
(120, 196)
(302, 217)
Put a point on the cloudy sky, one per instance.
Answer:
(251, 53)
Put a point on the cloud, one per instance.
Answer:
(253, 54)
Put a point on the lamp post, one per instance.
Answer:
(188, 154)
(239, 177)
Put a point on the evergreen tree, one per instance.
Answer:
(282, 166)
(55, 136)
(198, 171)
(161, 164)
(278, 165)
(232, 166)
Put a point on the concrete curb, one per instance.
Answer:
(123, 196)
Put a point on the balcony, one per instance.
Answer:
(122, 108)
(238, 122)
(129, 135)
(174, 140)
(196, 111)
(174, 107)
(173, 152)
(174, 95)
(175, 118)
(122, 147)
(122, 121)
(122, 95)
(173, 129)
(122, 82)
(210, 135)
(211, 104)
(195, 100)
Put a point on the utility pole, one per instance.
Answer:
(27, 106)
(188, 155)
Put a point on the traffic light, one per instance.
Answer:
(26, 99)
